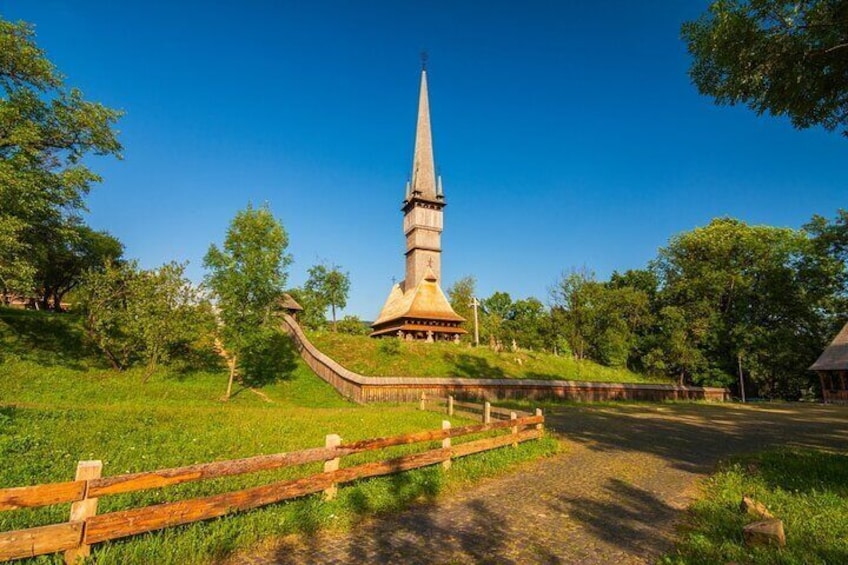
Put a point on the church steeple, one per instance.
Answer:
(417, 308)
(423, 182)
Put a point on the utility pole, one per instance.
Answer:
(474, 304)
(741, 382)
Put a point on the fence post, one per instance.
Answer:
(83, 509)
(421, 405)
(450, 405)
(514, 416)
(487, 413)
(446, 443)
(539, 427)
(332, 441)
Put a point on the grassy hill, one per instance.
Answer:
(59, 403)
(368, 357)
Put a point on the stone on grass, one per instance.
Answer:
(765, 532)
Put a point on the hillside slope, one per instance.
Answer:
(416, 359)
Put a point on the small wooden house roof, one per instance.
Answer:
(835, 355)
(290, 304)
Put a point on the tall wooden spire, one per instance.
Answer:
(423, 163)
(417, 308)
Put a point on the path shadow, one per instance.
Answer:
(423, 534)
(693, 437)
(625, 516)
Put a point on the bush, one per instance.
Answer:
(389, 346)
(352, 325)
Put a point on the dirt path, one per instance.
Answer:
(613, 496)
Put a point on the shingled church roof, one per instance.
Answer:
(425, 301)
(835, 356)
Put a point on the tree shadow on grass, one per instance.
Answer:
(271, 360)
(50, 339)
(803, 471)
(464, 365)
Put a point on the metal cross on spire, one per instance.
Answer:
(424, 60)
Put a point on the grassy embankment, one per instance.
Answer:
(59, 404)
(807, 489)
(366, 356)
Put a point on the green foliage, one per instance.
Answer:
(46, 131)
(247, 278)
(313, 315)
(758, 292)
(715, 297)
(389, 346)
(804, 488)
(327, 287)
(784, 57)
(460, 295)
(65, 256)
(601, 321)
(352, 325)
(135, 315)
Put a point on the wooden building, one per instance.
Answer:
(832, 368)
(416, 307)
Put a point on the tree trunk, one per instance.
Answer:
(333, 308)
(232, 375)
(57, 300)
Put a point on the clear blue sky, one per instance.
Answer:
(567, 133)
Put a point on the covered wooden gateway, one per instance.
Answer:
(832, 368)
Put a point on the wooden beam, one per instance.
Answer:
(165, 477)
(435, 435)
(39, 541)
(117, 525)
(479, 445)
(41, 495)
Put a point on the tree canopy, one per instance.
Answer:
(133, 315)
(247, 277)
(327, 287)
(46, 130)
(788, 58)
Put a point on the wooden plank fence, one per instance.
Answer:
(85, 527)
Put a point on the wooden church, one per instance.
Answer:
(417, 308)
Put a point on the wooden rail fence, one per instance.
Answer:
(85, 527)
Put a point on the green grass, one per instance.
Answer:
(59, 404)
(807, 489)
(416, 359)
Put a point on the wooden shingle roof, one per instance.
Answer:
(289, 303)
(835, 355)
(425, 301)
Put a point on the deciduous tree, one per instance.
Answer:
(329, 286)
(785, 57)
(247, 276)
(46, 130)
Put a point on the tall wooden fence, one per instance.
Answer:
(364, 389)
(85, 527)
